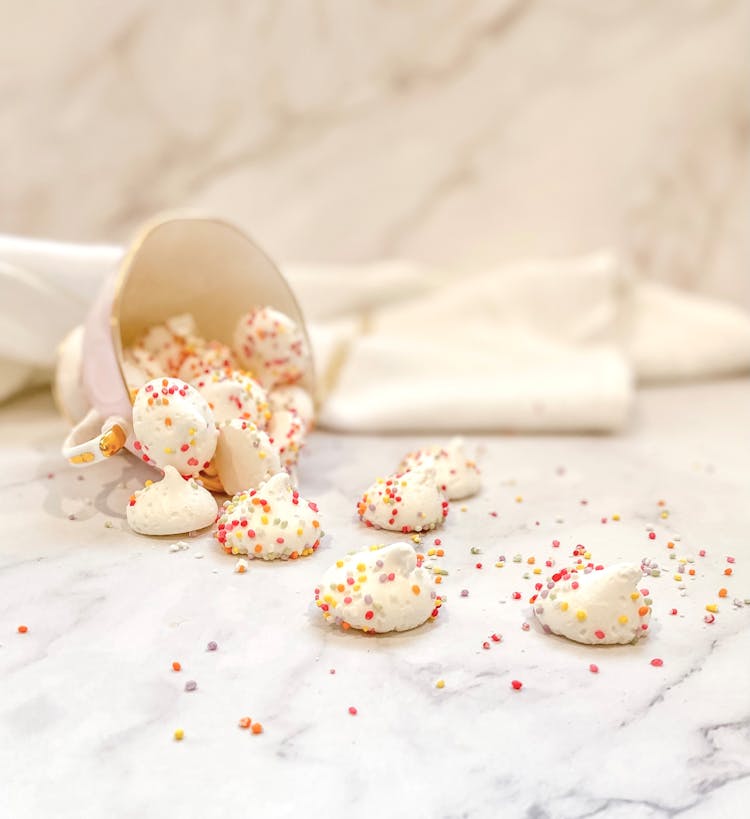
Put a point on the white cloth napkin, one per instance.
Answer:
(546, 345)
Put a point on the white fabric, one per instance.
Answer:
(545, 345)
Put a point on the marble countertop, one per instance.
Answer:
(89, 701)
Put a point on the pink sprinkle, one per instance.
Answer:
(437, 541)
(702, 553)
(479, 565)
(657, 663)
(555, 543)
(594, 668)
(709, 618)
(494, 514)
(652, 535)
(599, 634)
(730, 560)
(673, 611)
(604, 520)
(352, 710)
(517, 684)
(496, 638)
(485, 645)
(516, 595)
(332, 671)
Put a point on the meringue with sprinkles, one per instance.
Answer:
(287, 434)
(380, 589)
(202, 356)
(404, 502)
(271, 346)
(173, 426)
(244, 457)
(293, 398)
(271, 522)
(595, 607)
(233, 394)
(171, 506)
(456, 474)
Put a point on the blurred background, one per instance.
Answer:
(460, 134)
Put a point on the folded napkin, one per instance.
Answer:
(538, 346)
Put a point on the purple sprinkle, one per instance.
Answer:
(379, 564)
(211, 646)
(543, 593)
(383, 578)
(368, 599)
(371, 507)
(501, 559)
(546, 629)
(81, 478)
(550, 584)
(191, 685)
(464, 592)
(332, 671)
(71, 517)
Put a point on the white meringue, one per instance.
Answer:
(404, 502)
(166, 342)
(272, 346)
(270, 522)
(379, 590)
(293, 398)
(596, 607)
(244, 456)
(287, 434)
(456, 474)
(171, 506)
(173, 426)
(202, 356)
(233, 394)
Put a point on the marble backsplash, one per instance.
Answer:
(460, 134)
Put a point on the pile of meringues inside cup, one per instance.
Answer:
(231, 418)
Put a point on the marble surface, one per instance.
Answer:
(89, 702)
(460, 134)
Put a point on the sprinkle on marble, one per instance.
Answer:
(594, 668)
(257, 728)
(176, 666)
(191, 685)
(440, 684)
(352, 710)
(179, 735)
(657, 662)
(464, 592)
(244, 723)
(23, 629)
(517, 685)
(212, 646)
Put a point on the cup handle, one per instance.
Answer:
(93, 440)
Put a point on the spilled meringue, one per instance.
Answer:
(171, 506)
(379, 590)
(271, 522)
(456, 474)
(233, 394)
(173, 426)
(244, 456)
(404, 502)
(601, 607)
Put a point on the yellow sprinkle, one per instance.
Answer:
(622, 619)
(299, 532)
(440, 684)
(361, 567)
(431, 552)
(179, 734)
(416, 538)
(712, 607)
(464, 508)
(339, 563)
(362, 578)
(587, 555)
(168, 450)
(148, 483)
(581, 614)
(564, 605)
(634, 595)
(261, 455)
(499, 565)
(519, 499)
(678, 577)
(664, 515)
(537, 570)
(615, 517)
(355, 587)
(264, 519)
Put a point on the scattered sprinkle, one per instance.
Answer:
(594, 668)
(657, 663)
(440, 684)
(212, 646)
(176, 666)
(191, 685)
(517, 685)
(23, 629)
(179, 735)
(352, 710)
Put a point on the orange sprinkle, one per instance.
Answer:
(531, 561)
(438, 579)
(643, 611)
(168, 422)
(727, 572)
(723, 592)
(670, 545)
(244, 722)
(415, 589)
(176, 666)
(691, 571)
(258, 548)
(23, 629)
(440, 552)
(257, 728)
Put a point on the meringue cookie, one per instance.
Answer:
(244, 456)
(167, 342)
(287, 434)
(271, 346)
(173, 426)
(233, 394)
(379, 590)
(456, 474)
(269, 522)
(202, 356)
(404, 502)
(598, 608)
(171, 506)
(294, 399)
